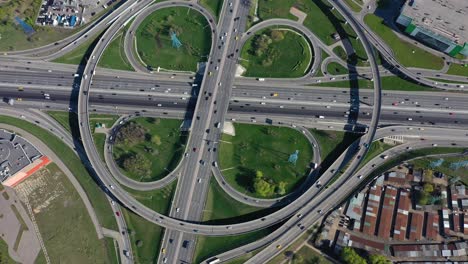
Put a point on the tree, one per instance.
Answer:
(277, 35)
(259, 174)
(422, 197)
(378, 259)
(139, 243)
(137, 164)
(156, 139)
(131, 133)
(281, 188)
(350, 256)
(298, 259)
(429, 188)
(262, 187)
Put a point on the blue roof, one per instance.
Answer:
(72, 21)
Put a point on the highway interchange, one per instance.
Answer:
(246, 99)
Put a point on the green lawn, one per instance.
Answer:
(310, 256)
(114, 56)
(281, 257)
(445, 167)
(149, 235)
(220, 208)
(288, 58)
(394, 83)
(4, 255)
(154, 41)
(113, 250)
(320, 19)
(210, 246)
(214, 6)
(158, 200)
(165, 156)
(264, 148)
(56, 202)
(63, 118)
(95, 194)
(406, 53)
(332, 144)
(355, 7)
(80, 54)
(375, 149)
(458, 69)
(334, 68)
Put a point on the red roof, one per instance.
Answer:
(432, 229)
(456, 222)
(416, 226)
(465, 226)
(368, 243)
(370, 216)
(386, 214)
(401, 221)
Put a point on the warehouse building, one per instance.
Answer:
(440, 24)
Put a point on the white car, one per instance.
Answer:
(410, 119)
(359, 176)
(177, 209)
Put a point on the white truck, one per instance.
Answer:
(11, 101)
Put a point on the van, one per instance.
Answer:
(321, 117)
(261, 79)
(76, 75)
(218, 125)
(215, 164)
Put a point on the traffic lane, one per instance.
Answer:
(334, 113)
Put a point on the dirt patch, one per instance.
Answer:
(158, 41)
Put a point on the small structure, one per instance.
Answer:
(436, 163)
(175, 40)
(293, 157)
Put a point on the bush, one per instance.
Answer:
(137, 163)
(350, 256)
(130, 134)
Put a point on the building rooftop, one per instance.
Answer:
(372, 210)
(444, 17)
(401, 221)
(432, 226)
(416, 226)
(386, 214)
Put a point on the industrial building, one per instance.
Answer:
(440, 24)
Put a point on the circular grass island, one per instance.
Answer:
(255, 160)
(155, 46)
(276, 52)
(147, 149)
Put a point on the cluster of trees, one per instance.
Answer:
(350, 256)
(138, 164)
(261, 46)
(27, 8)
(130, 134)
(424, 196)
(265, 187)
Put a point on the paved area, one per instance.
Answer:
(299, 14)
(23, 247)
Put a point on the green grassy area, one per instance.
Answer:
(458, 69)
(145, 234)
(406, 53)
(266, 149)
(445, 167)
(394, 83)
(214, 6)
(4, 255)
(282, 257)
(57, 202)
(334, 68)
(220, 208)
(375, 149)
(340, 52)
(158, 200)
(310, 256)
(412, 154)
(289, 57)
(63, 118)
(113, 250)
(321, 20)
(166, 152)
(80, 54)
(114, 56)
(319, 72)
(154, 41)
(354, 6)
(332, 144)
(242, 259)
(211, 246)
(74, 164)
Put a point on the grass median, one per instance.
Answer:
(458, 69)
(214, 6)
(74, 164)
(255, 160)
